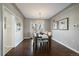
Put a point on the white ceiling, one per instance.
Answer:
(41, 10)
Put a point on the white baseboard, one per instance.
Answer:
(16, 44)
(67, 46)
(27, 37)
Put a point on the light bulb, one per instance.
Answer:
(49, 33)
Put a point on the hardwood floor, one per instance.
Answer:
(26, 49)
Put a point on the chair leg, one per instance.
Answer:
(40, 46)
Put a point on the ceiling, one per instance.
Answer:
(40, 10)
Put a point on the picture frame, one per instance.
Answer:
(63, 24)
(55, 25)
(18, 26)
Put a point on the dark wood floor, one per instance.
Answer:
(26, 49)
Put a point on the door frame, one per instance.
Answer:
(1, 21)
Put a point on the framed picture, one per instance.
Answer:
(18, 26)
(55, 25)
(63, 24)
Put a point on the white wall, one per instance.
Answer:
(7, 32)
(27, 26)
(69, 38)
(17, 36)
(18, 33)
